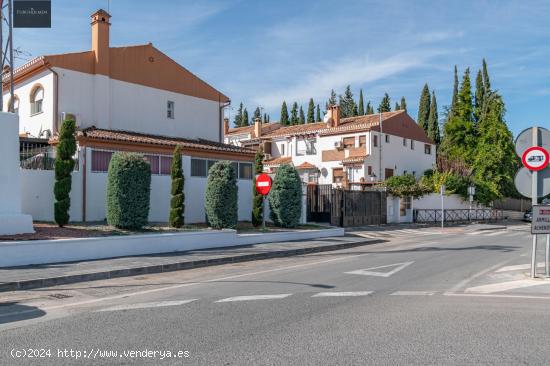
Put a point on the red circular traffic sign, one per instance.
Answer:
(263, 184)
(535, 158)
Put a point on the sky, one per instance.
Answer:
(262, 52)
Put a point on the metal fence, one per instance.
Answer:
(457, 215)
(513, 204)
(39, 155)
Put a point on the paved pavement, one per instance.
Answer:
(410, 300)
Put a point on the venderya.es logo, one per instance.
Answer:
(32, 13)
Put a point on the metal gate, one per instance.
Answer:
(358, 208)
(319, 202)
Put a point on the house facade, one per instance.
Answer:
(362, 150)
(131, 98)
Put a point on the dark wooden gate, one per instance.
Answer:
(358, 208)
(319, 202)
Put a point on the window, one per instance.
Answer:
(198, 168)
(404, 205)
(209, 165)
(349, 142)
(165, 165)
(362, 141)
(154, 161)
(412, 144)
(375, 141)
(245, 170)
(337, 175)
(283, 149)
(369, 170)
(427, 149)
(170, 109)
(388, 173)
(101, 160)
(387, 139)
(15, 104)
(404, 141)
(37, 96)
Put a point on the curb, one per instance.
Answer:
(170, 267)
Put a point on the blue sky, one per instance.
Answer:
(261, 52)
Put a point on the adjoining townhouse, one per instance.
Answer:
(362, 150)
(131, 98)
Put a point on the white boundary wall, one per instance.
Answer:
(65, 250)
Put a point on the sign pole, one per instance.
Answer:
(547, 255)
(534, 201)
(442, 206)
(263, 212)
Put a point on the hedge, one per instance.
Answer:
(220, 201)
(285, 198)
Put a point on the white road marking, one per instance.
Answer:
(168, 288)
(371, 272)
(519, 267)
(145, 305)
(342, 294)
(494, 233)
(498, 296)
(413, 293)
(463, 283)
(505, 286)
(475, 233)
(254, 297)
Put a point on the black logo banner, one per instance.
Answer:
(32, 13)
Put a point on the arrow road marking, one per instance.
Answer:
(371, 272)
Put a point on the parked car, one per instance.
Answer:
(528, 215)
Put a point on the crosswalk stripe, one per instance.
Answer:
(146, 305)
(413, 293)
(342, 294)
(254, 297)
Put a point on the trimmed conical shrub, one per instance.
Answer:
(220, 201)
(64, 165)
(285, 197)
(177, 203)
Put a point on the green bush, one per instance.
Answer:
(257, 199)
(64, 165)
(285, 198)
(406, 186)
(220, 201)
(177, 203)
(128, 191)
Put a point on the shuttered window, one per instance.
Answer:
(349, 142)
(362, 141)
(101, 160)
(245, 171)
(337, 175)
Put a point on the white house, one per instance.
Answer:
(364, 149)
(131, 98)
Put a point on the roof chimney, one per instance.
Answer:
(257, 128)
(100, 41)
(333, 116)
(225, 126)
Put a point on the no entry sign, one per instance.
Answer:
(535, 158)
(263, 184)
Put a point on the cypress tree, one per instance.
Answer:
(302, 119)
(454, 99)
(370, 109)
(245, 121)
(177, 203)
(257, 199)
(424, 108)
(265, 118)
(284, 115)
(403, 105)
(239, 116)
(311, 111)
(318, 118)
(486, 81)
(64, 165)
(347, 104)
(433, 122)
(385, 104)
(257, 114)
(479, 95)
(397, 107)
(361, 110)
(465, 107)
(294, 120)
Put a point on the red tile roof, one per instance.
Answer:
(278, 161)
(306, 165)
(354, 159)
(140, 138)
(266, 128)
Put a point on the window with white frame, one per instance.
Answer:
(387, 139)
(37, 96)
(306, 147)
(201, 167)
(160, 164)
(170, 109)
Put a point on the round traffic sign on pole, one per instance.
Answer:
(263, 184)
(525, 140)
(535, 158)
(523, 182)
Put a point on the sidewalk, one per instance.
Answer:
(38, 276)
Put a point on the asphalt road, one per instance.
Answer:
(421, 297)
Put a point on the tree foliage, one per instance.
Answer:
(64, 165)
(385, 104)
(318, 114)
(302, 118)
(361, 108)
(128, 190)
(284, 115)
(294, 119)
(177, 203)
(403, 105)
(347, 104)
(220, 199)
(285, 198)
(433, 122)
(311, 111)
(424, 108)
(406, 185)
